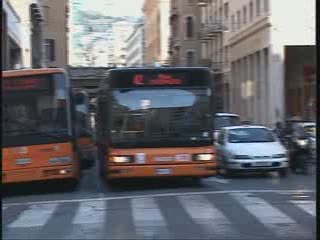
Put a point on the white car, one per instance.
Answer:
(250, 148)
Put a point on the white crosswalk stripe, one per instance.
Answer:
(206, 214)
(149, 221)
(307, 206)
(90, 213)
(274, 219)
(35, 216)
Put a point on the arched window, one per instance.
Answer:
(189, 26)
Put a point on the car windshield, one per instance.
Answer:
(160, 114)
(310, 130)
(250, 135)
(225, 121)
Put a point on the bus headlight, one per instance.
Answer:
(60, 160)
(203, 157)
(122, 159)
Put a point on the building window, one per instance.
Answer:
(49, 48)
(226, 11)
(251, 11)
(233, 23)
(266, 5)
(258, 7)
(190, 58)
(244, 15)
(189, 26)
(238, 19)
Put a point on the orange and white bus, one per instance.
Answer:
(156, 122)
(39, 135)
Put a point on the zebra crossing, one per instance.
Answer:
(164, 217)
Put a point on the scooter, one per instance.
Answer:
(299, 155)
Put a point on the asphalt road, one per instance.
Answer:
(255, 206)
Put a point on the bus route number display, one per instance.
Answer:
(25, 84)
(156, 80)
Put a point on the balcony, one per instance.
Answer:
(205, 62)
(176, 42)
(210, 30)
(217, 67)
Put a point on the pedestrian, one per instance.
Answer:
(279, 130)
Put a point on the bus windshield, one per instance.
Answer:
(42, 113)
(160, 114)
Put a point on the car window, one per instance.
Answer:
(250, 135)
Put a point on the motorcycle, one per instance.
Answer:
(299, 154)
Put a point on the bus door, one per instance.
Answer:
(83, 129)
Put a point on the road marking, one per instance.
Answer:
(90, 213)
(161, 195)
(148, 219)
(307, 206)
(271, 217)
(36, 216)
(207, 215)
(219, 180)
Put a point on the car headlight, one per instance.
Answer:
(60, 160)
(122, 159)
(302, 142)
(203, 157)
(241, 157)
(279, 156)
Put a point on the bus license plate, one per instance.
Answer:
(164, 171)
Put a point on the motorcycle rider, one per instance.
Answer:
(299, 151)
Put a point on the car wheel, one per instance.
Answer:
(283, 172)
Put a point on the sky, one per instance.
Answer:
(115, 7)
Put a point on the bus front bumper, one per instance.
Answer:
(165, 170)
(40, 173)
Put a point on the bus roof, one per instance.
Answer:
(28, 72)
(132, 69)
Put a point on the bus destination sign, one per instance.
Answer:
(157, 79)
(24, 84)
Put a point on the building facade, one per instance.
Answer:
(136, 47)
(156, 14)
(213, 33)
(55, 32)
(185, 47)
(253, 49)
(31, 17)
(11, 38)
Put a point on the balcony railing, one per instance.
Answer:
(210, 30)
